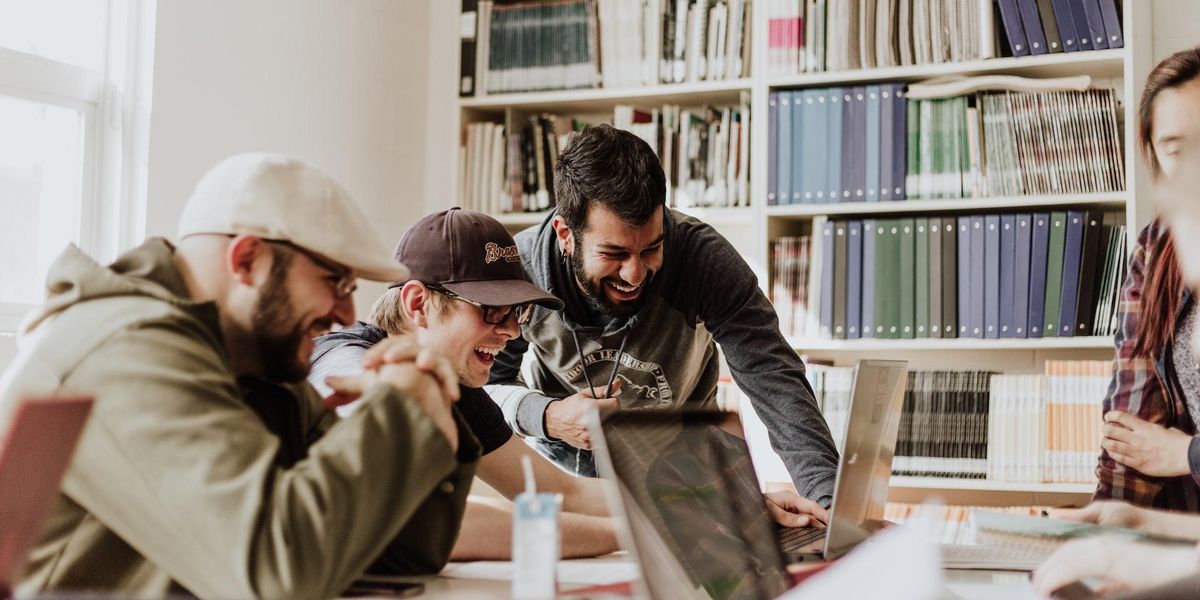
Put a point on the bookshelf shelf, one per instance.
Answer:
(741, 215)
(939, 483)
(1113, 199)
(700, 92)
(1100, 64)
(953, 344)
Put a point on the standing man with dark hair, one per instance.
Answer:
(649, 294)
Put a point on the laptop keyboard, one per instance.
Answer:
(794, 539)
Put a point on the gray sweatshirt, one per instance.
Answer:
(705, 294)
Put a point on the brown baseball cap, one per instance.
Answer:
(472, 255)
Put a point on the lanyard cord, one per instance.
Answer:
(583, 365)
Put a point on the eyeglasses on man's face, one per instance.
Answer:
(341, 279)
(493, 315)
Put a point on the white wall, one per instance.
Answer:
(1176, 26)
(339, 83)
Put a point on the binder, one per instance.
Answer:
(827, 277)
(773, 157)
(935, 277)
(801, 161)
(850, 145)
(887, 145)
(991, 276)
(1094, 246)
(907, 253)
(468, 32)
(899, 140)
(816, 121)
(1008, 240)
(833, 154)
(976, 275)
(921, 284)
(1038, 259)
(1032, 23)
(1095, 21)
(1054, 273)
(854, 274)
(1021, 275)
(887, 278)
(1072, 256)
(783, 188)
(1083, 35)
(1013, 30)
(867, 326)
(840, 264)
(1049, 28)
(872, 141)
(964, 276)
(858, 158)
(950, 287)
(1066, 31)
(1112, 24)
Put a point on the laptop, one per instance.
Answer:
(696, 521)
(37, 445)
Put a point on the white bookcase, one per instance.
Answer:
(752, 228)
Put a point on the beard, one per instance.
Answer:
(594, 289)
(278, 333)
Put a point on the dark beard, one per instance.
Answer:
(277, 332)
(619, 310)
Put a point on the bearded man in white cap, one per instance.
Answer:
(210, 466)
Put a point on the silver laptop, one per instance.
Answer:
(694, 515)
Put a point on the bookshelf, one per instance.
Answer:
(752, 228)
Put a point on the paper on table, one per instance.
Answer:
(570, 572)
(899, 563)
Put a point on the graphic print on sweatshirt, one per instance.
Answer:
(643, 384)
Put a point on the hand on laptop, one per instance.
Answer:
(793, 510)
(1119, 564)
(567, 419)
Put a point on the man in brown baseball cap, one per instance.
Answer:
(209, 467)
(464, 300)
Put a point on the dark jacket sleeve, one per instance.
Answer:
(743, 322)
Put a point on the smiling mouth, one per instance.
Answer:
(487, 354)
(623, 291)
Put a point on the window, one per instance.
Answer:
(74, 114)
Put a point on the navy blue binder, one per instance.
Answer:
(773, 148)
(1072, 255)
(964, 276)
(975, 321)
(1095, 21)
(854, 278)
(867, 323)
(1112, 24)
(991, 276)
(801, 148)
(1066, 31)
(1033, 27)
(783, 191)
(827, 251)
(1013, 30)
(1020, 291)
(1038, 258)
(1083, 35)
(1008, 241)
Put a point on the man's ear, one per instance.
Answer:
(246, 254)
(566, 241)
(414, 301)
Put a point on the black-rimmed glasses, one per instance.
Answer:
(342, 279)
(492, 315)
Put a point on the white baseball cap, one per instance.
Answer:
(282, 198)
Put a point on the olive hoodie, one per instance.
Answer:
(189, 480)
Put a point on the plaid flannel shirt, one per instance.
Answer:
(1148, 390)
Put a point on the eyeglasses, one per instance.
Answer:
(492, 315)
(341, 279)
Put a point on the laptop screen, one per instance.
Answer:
(689, 485)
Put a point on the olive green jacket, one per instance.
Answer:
(181, 484)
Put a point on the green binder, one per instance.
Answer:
(907, 252)
(887, 278)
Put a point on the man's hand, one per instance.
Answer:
(1119, 564)
(1148, 447)
(402, 348)
(566, 419)
(793, 510)
(1105, 512)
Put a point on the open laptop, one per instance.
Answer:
(37, 445)
(687, 490)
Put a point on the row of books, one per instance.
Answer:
(512, 171)
(1034, 27)
(970, 276)
(1047, 427)
(953, 522)
(568, 44)
(984, 425)
(808, 36)
(872, 143)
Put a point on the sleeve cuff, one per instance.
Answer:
(1194, 456)
(531, 415)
